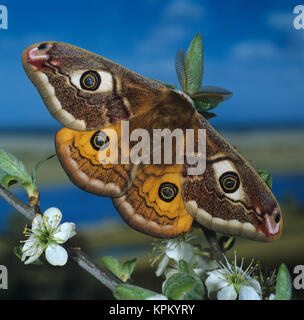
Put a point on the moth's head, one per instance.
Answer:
(35, 57)
(241, 197)
(52, 55)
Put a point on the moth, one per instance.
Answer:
(90, 95)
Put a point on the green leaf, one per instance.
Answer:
(207, 115)
(127, 269)
(7, 180)
(184, 267)
(284, 285)
(226, 242)
(178, 285)
(14, 167)
(198, 292)
(113, 265)
(182, 72)
(121, 271)
(37, 166)
(16, 172)
(194, 64)
(203, 106)
(209, 97)
(206, 106)
(265, 176)
(130, 292)
(184, 286)
(18, 251)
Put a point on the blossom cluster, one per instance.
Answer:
(223, 281)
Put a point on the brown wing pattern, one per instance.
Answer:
(85, 91)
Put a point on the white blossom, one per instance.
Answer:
(230, 282)
(46, 235)
(181, 250)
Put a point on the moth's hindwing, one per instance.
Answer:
(154, 203)
(81, 155)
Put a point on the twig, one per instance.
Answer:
(215, 248)
(16, 203)
(75, 254)
(101, 275)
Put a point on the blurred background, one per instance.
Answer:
(250, 48)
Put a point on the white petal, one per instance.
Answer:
(220, 273)
(30, 243)
(227, 293)
(157, 297)
(271, 297)
(162, 266)
(64, 232)
(52, 217)
(31, 259)
(37, 224)
(34, 256)
(206, 263)
(56, 255)
(30, 252)
(215, 282)
(248, 293)
(170, 271)
(180, 251)
(256, 285)
(24, 256)
(202, 264)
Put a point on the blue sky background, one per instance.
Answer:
(250, 48)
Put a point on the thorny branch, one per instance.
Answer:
(75, 253)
